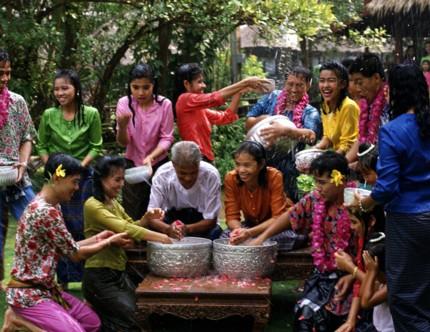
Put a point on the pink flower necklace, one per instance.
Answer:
(281, 103)
(370, 119)
(4, 105)
(322, 251)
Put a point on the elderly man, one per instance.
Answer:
(189, 191)
(292, 102)
(16, 135)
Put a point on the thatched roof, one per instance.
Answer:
(387, 7)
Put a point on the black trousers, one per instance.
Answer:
(112, 295)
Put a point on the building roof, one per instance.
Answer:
(387, 7)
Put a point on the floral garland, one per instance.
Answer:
(281, 103)
(323, 254)
(370, 119)
(4, 105)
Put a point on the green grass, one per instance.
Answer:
(283, 299)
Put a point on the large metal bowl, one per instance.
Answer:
(305, 158)
(189, 257)
(242, 261)
(254, 134)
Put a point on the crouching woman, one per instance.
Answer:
(41, 239)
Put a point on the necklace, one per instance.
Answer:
(4, 105)
(281, 103)
(370, 118)
(322, 250)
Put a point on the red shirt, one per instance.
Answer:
(195, 120)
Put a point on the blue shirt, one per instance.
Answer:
(311, 118)
(403, 167)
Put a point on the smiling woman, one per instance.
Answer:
(73, 128)
(339, 113)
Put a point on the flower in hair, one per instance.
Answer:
(60, 172)
(336, 177)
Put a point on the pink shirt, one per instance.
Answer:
(152, 128)
(195, 120)
(427, 76)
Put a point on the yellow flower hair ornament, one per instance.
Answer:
(60, 172)
(336, 177)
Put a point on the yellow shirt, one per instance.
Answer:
(341, 127)
(99, 217)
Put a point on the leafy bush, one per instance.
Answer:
(225, 140)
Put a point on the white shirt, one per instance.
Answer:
(204, 195)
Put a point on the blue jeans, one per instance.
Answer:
(16, 208)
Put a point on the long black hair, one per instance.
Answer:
(142, 70)
(408, 89)
(73, 78)
(186, 72)
(70, 165)
(102, 169)
(342, 74)
(257, 151)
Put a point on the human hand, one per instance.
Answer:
(273, 132)
(20, 167)
(256, 242)
(148, 161)
(342, 287)
(176, 230)
(348, 326)
(370, 263)
(239, 235)
(344, 261)
(104, 235)
(123, 119)
(121, 240)
(166, 240)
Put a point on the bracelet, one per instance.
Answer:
(354, 272)
(360, 205)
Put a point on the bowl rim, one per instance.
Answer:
(220, 243)
(303, 152)
(184, 246)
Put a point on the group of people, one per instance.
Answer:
(375, 131)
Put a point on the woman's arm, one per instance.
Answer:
(349, 325)
(324, 144)
(277, 226)
(370, 296)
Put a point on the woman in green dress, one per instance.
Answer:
(73, 128)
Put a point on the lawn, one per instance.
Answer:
(283, 299)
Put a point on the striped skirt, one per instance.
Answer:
(408, 270)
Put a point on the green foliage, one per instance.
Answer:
(372, 38)
(305, 183)
(253, 67)
(225, 140)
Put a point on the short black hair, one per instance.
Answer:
(4, 55)
(368, 160)
(376, 248)
(300, 71)
(69, 164)
(367, 64)
(102, 169)
(329, 161)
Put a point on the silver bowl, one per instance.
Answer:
(242, 261)
(286, 143)
(305, 158)
(189, 257)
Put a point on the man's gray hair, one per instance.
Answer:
(186, 153)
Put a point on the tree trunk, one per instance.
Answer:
(164, 39)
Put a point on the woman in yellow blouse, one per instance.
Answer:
(106, 284)
(339, 113)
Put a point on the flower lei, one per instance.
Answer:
(323, 253)
(4, 105)
(370, 119)
(281, 103)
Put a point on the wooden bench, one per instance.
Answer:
(296, 264)
(210, 297)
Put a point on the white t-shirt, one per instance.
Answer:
(204, 195)
(382, 319)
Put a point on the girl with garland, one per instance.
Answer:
(42, 237)
(339, 113)
(106, 283)
(322, 213)
(145, 128)
(366, 166)
(193, 116)
(255, 191)
(369, 71)
(403, 185)
(73, 128)
(363, 224)
(293, 102)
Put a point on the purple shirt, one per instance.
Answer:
(152, 127)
